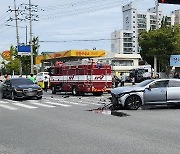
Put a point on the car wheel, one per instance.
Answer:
(53, 90)
(74, 90)
(133, 102)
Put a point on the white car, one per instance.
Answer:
(148, 92)
(40, 78)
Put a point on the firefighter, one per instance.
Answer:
(45, 83)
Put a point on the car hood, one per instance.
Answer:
(126, 89)
(33, 86)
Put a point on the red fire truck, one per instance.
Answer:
(80, 78)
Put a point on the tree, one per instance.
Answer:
(161, 43)
(10, 64)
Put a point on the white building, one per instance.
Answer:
(176, 13)
(121, 63)
(133, 23)
(123, 42)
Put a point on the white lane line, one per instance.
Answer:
(25, 106)
(59, 104)
(8, 100)
(8, 107)
(44, 105)
(3, 102)
(75, 103)
(65, 101)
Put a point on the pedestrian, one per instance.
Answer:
(32, 78)
(6, 76)
(133, 80)
(45, 83)
(176, 75)
(116, 81)
(122, 79)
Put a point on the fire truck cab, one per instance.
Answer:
(80, 78)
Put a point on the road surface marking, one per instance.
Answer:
(52, 103)
(3, 102)
(44, 105)
(8, 107)
(25, 106)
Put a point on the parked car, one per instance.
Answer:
(148, 92)
(40, 77)
(15, 88)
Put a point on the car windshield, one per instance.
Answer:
(144, 83)
(21, 82)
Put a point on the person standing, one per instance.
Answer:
(122, 79)
(6, 77)
(32, 78)
(46, 83)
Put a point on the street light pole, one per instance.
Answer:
(17, 36)
(157, 27)
(30, 17)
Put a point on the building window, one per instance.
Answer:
(122, 63)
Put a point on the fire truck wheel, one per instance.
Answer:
(74, 90)
(53, 90)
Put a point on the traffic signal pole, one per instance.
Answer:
(157, 27)
(30, 16)
(17, 36)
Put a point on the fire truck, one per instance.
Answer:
(80, 78)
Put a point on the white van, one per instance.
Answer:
(40, 78)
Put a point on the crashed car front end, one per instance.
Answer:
(120, 94)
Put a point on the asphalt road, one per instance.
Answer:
(60, 124)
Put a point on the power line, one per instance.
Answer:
(85, 40)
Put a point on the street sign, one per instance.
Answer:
(175, 60)
(24, 50)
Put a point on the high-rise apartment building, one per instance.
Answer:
(126, 41)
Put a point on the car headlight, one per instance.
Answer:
(18, 90)
(40, 89)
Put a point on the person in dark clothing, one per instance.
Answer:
(45, 83)
(116, 81)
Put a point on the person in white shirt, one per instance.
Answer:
(45, 83)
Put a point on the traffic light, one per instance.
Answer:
(169, 1)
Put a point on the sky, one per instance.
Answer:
(68, 24)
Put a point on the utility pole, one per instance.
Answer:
(157, 27)
(30, 22)
(17, 36)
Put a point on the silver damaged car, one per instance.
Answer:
(148, 92)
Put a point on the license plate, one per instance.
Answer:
(30, 93)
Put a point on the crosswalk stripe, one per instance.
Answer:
(83, 104)
(52, 103)
(44, 105)
(74, 103)
(25, 106)
(8, 107)
(3, 102)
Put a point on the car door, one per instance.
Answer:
(156, 93)
(173, 89)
